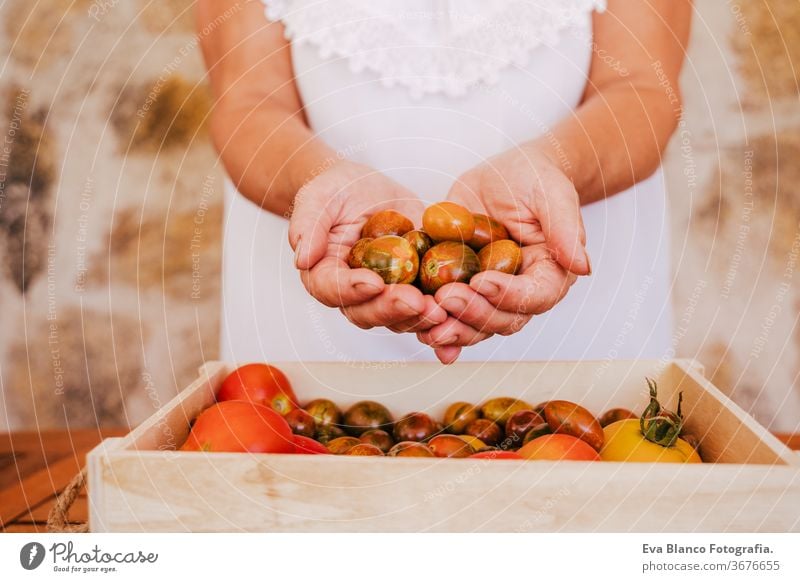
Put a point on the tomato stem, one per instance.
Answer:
(658, 425)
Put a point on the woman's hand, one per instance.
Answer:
(326, 221)
(526, 192)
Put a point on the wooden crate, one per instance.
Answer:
(137, 483)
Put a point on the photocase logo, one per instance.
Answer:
(31, 555)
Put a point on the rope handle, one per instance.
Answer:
(58, 518)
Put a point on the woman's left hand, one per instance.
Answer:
(529, 194)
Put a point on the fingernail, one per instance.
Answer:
(454, 304)
(446, 342)
(404, 308)
(588, 261)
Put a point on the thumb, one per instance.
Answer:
(309, 226)
(559, 213)
(466, 192)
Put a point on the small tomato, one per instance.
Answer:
(306, 446)
(237, 426)
(624, 441)
(555, 447)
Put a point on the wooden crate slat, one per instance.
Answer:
(135, 485)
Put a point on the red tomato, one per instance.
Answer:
(306, 446)
(259, 383)
(497, 455)
(554, 447)
(237, 426)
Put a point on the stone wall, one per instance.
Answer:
(111, 221)
(734, 188)
(110, 212)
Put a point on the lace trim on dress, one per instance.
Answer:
(389, 48)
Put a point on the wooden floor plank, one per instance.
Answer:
(26, 452)
(791, 440)
(79, 512)
(18, 500)
(25, 528)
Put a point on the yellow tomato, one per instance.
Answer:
(624, 442)
(476, 443)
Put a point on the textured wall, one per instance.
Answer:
(110, 208)
(111, 216)
(734, 187)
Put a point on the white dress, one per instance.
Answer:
(423, 90)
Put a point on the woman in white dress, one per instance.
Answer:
(550, 115)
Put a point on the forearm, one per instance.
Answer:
(257, 123)
(614, 140)
(632, 101)
(268, 153)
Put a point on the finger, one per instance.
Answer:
(309, 226)
(559, 214)
(466, 191)
(396, 304)
(432, 315)
(333, 283)
(447, 355)
(472, 308)
(452, 333)
(532, 292)
(409, 205)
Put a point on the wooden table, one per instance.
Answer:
(35, 468)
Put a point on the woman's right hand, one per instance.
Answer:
(327, 217)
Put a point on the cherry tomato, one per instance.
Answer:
(419, 240)
(536, 431)
(615, 414)
(499, 410)
(459, 415)
(393, 258)
(238, 426)
(324, 411)
(386, 222)
(355, 258)
(448, 445)
(301, 422)
(365, 450)
(327, 432)
(416, 426)
(410, 449)
(502, 255)
(487, 230)
(366, 415)
(520, 423)
(379, 438)
(343, 444)
(259, 383)
(447, 262)
(448, 221)
(573, 419)
(485, 430)
(476, 443)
